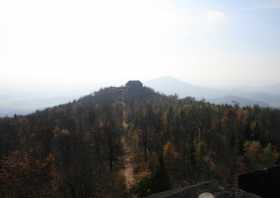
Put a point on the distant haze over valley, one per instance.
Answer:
(24, 101)
(244, 96)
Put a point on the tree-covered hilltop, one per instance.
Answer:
(83, 149)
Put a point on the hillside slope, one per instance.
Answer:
(78, 149)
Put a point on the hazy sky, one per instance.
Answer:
(69, 42)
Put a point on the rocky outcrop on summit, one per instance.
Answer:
(134, 84)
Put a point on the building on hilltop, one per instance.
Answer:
(134, 83)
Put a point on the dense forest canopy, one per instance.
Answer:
(84, 148)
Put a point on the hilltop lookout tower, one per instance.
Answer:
(134, 84)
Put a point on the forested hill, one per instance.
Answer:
(130, 140)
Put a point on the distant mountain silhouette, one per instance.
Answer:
(170, 85)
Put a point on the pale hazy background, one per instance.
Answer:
(58, 48)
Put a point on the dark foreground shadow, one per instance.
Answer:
(265, 183)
